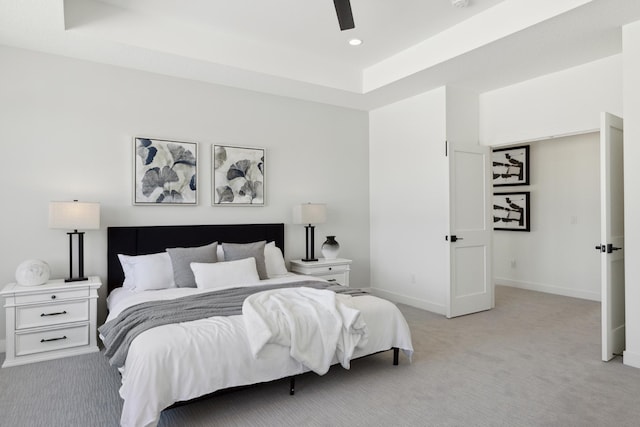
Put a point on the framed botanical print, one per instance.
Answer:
(165, 172)
(238, 176)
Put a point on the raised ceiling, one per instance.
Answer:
(295, 48)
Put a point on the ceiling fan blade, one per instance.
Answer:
(345, 17)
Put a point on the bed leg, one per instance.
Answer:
(292, 386)
(396, 351)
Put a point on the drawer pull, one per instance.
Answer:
(64, 337)
(53, 297)
(330, 268)
(332, 280)
(53, 314)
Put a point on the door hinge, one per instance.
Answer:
(446, 148)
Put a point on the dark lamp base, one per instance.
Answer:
(76, 279)
(309, 259)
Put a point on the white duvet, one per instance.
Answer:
(179, 362)
(316, 325)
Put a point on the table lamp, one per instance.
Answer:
(310, 213)
(75, 216)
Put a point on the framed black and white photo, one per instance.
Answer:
(511, 211)
(165, 172)
(510, 166)
(238, 176)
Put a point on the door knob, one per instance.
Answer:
(611, 248)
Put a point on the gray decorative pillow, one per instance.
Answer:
(181, 259)
(235, 251)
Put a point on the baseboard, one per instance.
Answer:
(413, 302)
(550, 289)
(631, 359)
(3, 346)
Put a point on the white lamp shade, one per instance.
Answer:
(310, 213)
(74, 215)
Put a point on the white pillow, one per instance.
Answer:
(147, 272)
(274, 261)
(220, 253)
(228, 274)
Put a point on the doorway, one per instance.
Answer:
(557, 255)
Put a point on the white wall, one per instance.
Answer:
(631, 77)
(558, 255)
(408, 196)
(462, 116)
(66, 129)
(562, 103)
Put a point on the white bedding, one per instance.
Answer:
(121, 298)
(179, 362)
(317, 325)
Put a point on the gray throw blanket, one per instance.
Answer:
(118, 334)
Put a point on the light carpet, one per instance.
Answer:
(532, 361)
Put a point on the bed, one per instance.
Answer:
(178, 362)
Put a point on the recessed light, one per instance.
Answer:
(355, 42)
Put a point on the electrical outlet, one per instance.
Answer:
(513, 263)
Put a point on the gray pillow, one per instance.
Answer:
(181, 259)
(235, 251)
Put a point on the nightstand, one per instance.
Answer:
(50, 321)
(333, 270)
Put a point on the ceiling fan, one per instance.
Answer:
(345, 17)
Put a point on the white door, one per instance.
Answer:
(612, 235)
(470, 224)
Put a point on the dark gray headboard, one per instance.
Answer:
(151, 239)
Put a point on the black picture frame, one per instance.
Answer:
(510, 166)
(512, 211)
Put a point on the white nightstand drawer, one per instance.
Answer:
(31, 316)
(333, 270)
(51, 339)
(52, 295)
(329, 270)
(334, 278)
